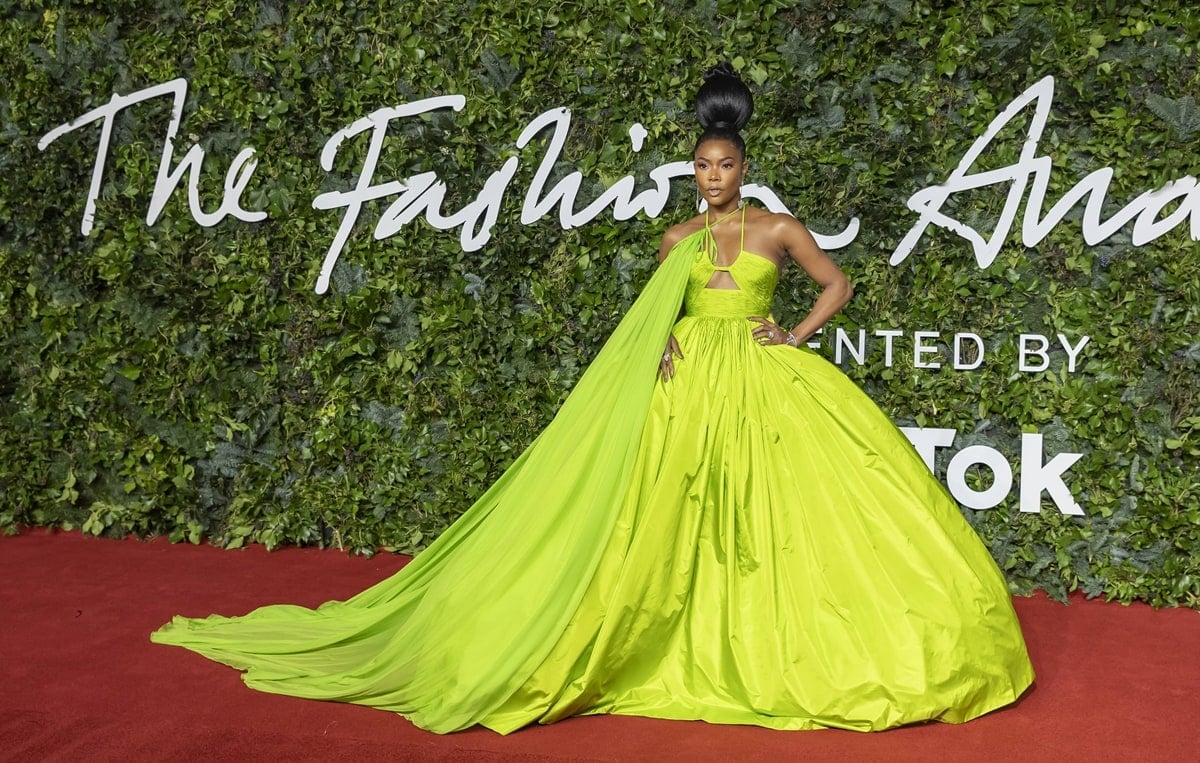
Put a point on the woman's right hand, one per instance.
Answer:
(666, 368)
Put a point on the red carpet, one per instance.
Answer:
(83, 682)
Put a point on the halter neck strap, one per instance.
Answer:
(710, 240)
(742, 232)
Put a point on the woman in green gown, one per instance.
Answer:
(729, 530)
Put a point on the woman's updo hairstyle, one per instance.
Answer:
(723, 106)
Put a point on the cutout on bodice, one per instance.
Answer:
(722, 279)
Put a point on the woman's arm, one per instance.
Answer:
(836, 290)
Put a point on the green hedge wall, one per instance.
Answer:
(189, 381)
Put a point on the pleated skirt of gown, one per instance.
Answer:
(784, 558)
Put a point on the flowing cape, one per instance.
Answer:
(455, 632)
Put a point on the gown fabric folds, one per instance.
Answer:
(751, 542)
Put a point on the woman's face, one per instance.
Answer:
(720, 169)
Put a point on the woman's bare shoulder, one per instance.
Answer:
(677, 233)
(777, 221)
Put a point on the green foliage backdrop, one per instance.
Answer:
(181, 380)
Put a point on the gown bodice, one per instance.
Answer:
(755, 276)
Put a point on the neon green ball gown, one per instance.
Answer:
(751, 542)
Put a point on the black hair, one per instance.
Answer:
(723, 106)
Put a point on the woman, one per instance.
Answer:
(728, 530)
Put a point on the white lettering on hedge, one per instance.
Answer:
(842, 341)
(961, 363)
(972, 455)
(920, 349)
(236, 179)
(619, 195)
(1144, 209)
(1036, 344)
(966, 351)
(1037, 474)
(412, 193)
(424, 193)
(888, 335)
(1033, 344)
